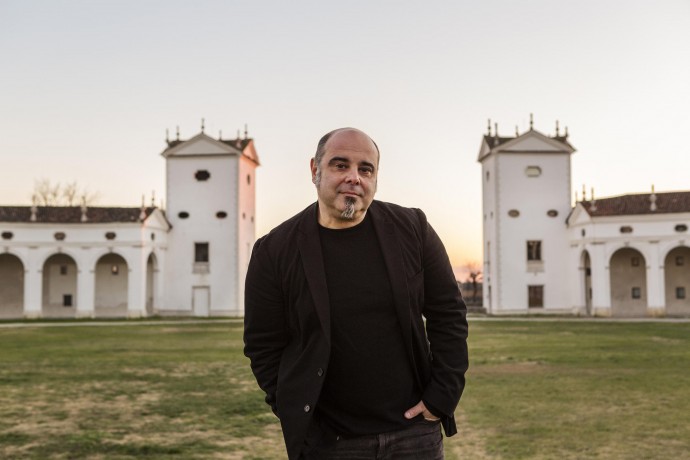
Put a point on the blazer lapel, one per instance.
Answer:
(393, 257)
(309, 246)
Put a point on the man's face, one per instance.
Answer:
(345, 178)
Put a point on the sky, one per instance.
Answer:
(89, 87)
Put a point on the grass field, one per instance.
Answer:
(536, 390)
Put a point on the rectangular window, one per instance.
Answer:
(534, 250)
(680, 292)
(636, 293)
(67, 300)
(536, 296)
(63, 269)
(200, 252)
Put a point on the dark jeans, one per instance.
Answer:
(421, 441)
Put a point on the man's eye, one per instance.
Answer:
(367, 171)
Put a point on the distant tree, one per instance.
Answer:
(474, 274)
(48, 194)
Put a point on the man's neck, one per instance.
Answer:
(336, 223)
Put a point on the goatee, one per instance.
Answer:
(349, 212)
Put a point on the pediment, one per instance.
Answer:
(578, 215)
(534, 142)
(201, 145)
(157, 219)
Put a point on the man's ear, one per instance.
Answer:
(313, 167)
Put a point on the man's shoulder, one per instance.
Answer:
(290, 227)
(397, 213)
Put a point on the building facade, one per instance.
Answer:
(623, 256)
(190, 259)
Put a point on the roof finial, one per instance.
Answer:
(558, 133)
(652, 200)
(220, 134)
(202, 125)
(576, 200)
(167, 135)
(246, 131)
(238, 134)
(153, 198)
(593, 204)
(496, 129)
(531, 122)
(566, 132)
(177, 128)
(517, 133)
(488, 127)
(584, 193)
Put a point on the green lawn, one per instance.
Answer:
(542, 390)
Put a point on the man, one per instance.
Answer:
(335, 303)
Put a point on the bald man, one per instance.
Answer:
(354, 324)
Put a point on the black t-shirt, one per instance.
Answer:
(369, 382)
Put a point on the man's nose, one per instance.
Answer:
(353, 176)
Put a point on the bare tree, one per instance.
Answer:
(474, 274)
(48, 194)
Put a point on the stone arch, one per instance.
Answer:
(586, 264)
(677, 281)
(151, 283)
(59, 286)
(628, 271)
(11, 286)
(111, 283)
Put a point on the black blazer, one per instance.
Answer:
(287, 314)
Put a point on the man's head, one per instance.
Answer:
(344, 170)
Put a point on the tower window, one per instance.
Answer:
(534, 250)
(110, 236)
(202, 175)
(552, 213)
(59, 236)
(626, 229)
(513, 213)
(681, 228)
(67, 300)
(200, 252)
(536, 296)
(221, 214)
(7, 235)
(183, 214)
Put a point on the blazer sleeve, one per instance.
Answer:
(446, 325)
(265, 326)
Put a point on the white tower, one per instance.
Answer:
(526, 200)
(210, 201)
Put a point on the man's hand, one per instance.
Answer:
(420, 408)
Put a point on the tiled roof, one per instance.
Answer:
(71, 214)
(666, 203)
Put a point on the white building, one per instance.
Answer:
(113, 262)
(626, 255)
